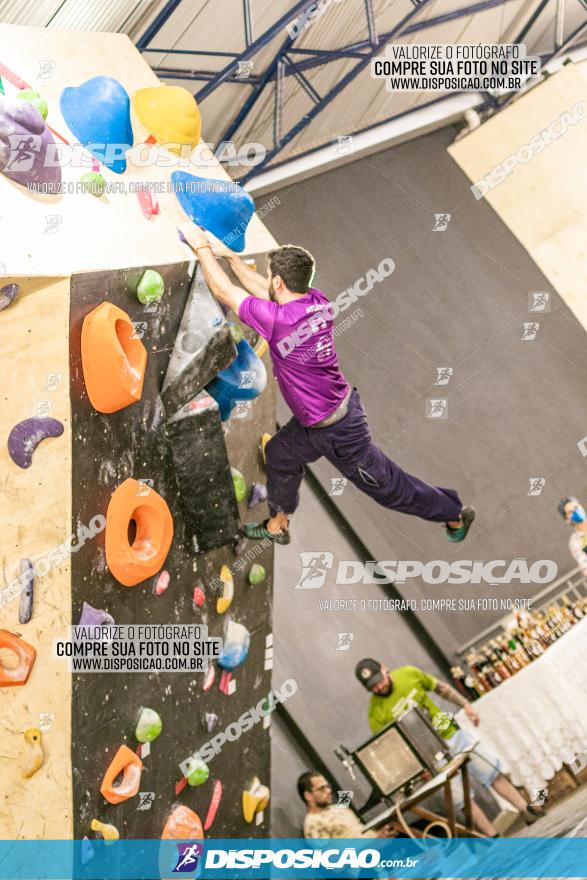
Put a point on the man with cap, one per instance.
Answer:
(395, 691)
(573, 513)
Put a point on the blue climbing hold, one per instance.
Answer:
(98, 114)
(235, 649)
(244, 379)
(221, 206)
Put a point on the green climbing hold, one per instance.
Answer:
(257, 574)
(149, 725)
(93, 182)
(240, 485)
(151, 287)
(199, 773)
(1, 87)
(33, 97)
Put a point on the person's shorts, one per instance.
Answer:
(483, 765)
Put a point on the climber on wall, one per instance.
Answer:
(328, 419)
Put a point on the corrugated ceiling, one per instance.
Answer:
(218, 25)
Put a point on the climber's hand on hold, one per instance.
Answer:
(219, 249)
(216, 278)
(194, 235)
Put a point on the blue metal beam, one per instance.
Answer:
(371, 27)
(203, 76)
(331, 54)
(247, 22)
(317, 57)
(254, 96)
(456, 14)
(370, 127)
(158, 23)
(397, 31)
(297, 10)
(191, 52)
(304, 82)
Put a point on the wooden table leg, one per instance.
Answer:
(467, 796)
(450, 809)
(422, 813)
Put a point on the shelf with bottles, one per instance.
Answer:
(524, 639)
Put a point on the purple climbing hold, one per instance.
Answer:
(24, 141)
(26, 436)
(91, 617)
(257, 494)
(27, 584)
(209, 721)
(7, 295)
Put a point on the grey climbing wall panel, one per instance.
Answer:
(106, 450)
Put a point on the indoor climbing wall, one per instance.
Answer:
(35, 512)
(73, 72)
(130, 457)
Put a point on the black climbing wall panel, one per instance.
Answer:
(203, 473)
(106, 450)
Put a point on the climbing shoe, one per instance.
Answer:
(258, 531)
(460, 533)
(533, 813)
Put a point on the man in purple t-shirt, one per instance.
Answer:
(328, 419)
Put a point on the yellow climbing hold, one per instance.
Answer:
(108, 832)
(264, 441)
(261, 347)
(34, 756)
(170, 114)
(255, 799)
(223, 602)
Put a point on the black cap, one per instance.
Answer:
(369, 672)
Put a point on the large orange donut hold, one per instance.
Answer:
(135, 502)
(113, 362)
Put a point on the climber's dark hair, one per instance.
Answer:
(305, 783)
(295, 266)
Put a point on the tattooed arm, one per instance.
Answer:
(447, 692)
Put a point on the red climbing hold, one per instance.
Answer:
(214, 804)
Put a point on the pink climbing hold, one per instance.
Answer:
(199, 597)
(225, 679)
(209, 677)
(161, 583)
(214, 804)
(148, 202)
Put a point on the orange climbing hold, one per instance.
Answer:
(171, 114)
(16, 660)
(183, 824)
(112, 361)
(135, 502)
(130, 765)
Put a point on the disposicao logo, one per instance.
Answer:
(189, 854)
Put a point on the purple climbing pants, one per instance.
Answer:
(347, 445)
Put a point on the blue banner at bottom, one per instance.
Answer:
(283, 859)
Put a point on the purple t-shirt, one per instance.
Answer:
(301, 345)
